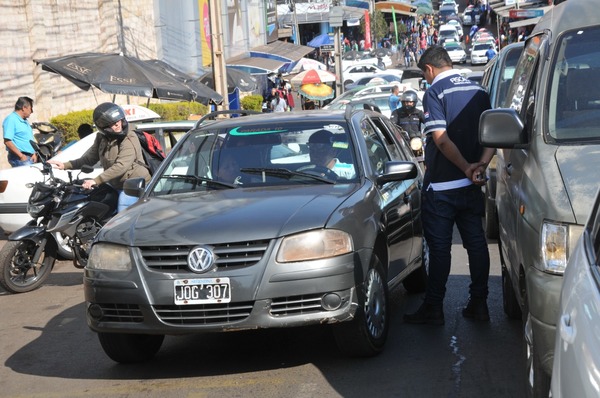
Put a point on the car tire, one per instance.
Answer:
(365, 335)
(130, 348)
(491, 219)
(510, 303)
(538, 382)
(416, 282)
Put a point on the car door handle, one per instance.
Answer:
(508, 168)
(567, 331)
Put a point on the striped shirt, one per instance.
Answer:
(453, 103)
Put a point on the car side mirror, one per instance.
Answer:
(134, 187)
(397, 171)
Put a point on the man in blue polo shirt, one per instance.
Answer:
(454, 164)
(17, 134)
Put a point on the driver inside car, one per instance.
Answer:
(323, 149)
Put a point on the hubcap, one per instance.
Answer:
(375, 305)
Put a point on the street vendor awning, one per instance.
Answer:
(396, 7)
(256, 65)
(524, 22)
(314, 13)
(281, 51)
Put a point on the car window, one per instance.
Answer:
(258, 155)
(375, 147)
(574, 96)
(521, 82)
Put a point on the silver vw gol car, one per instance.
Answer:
(253, 222)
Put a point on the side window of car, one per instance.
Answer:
(387, 129)
(519, 93)
(376, 149)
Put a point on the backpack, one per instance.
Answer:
(151, 150)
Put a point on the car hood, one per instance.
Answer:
(226, 215)
(578, 165)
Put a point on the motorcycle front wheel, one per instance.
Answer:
(18, 274)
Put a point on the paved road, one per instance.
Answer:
(48, 351)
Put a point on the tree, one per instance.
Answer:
(379, 26)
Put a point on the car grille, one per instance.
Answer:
(174, 258)
(204, 314)
(297, 305)
(124, 313)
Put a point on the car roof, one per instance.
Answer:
(166, 124)
(560, 17)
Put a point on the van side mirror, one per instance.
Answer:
(502, 128)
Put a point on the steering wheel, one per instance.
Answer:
(320, 171)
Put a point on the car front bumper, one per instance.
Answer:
(142, 300)
(477, 59)
(543, 292)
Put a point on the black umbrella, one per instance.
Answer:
(235, 79)
(352, 55)
(120, 74)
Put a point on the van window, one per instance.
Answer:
(524, 72)
(574, 97)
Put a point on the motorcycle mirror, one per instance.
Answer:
(34, 145)
(85, 169)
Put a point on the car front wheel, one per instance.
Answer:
(366, 334)
(130, 348)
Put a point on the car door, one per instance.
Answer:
(511, 163)
(398, 199)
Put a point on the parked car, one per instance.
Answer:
(14, 193)
(378, 101)
(497, 76)
(456, 52)
(358, 71)
(577, 347)
(546, 169)
(479, 53)
(376, 79)
(229, 236)
(471, 15)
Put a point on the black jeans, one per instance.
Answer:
(441, 210)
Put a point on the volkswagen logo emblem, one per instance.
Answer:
(200, 259)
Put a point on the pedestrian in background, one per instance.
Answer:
(18, 132)
(452, 194)
(394, 99)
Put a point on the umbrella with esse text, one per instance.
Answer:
(124, 75)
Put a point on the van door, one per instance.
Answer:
(511, 162)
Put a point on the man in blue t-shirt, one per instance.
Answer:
(18, 132)
(394, 99)
(454, 164)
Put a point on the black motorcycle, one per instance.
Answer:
(50, 139)
(56, 206)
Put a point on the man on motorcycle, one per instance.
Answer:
(117, 149)
(408, 117)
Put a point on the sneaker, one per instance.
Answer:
(476, 309)
(427, 313)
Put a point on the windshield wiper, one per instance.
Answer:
(286, 173)
(197, 179)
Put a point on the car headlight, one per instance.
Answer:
(557, 240)
(109, 257)
(314, 245)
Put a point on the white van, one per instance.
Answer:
(448, 32)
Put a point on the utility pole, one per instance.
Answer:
(336, 20)
(218, 53)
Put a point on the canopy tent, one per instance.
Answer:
(396, 7)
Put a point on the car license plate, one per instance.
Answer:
(202, 291)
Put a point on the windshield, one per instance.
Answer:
(574, 99)
(259, 155)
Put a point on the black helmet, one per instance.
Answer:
(409, 96)
(107, 114)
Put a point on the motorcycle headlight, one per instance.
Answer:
(314, 245)
(35, 210)
(416, 144)
(109, 257)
